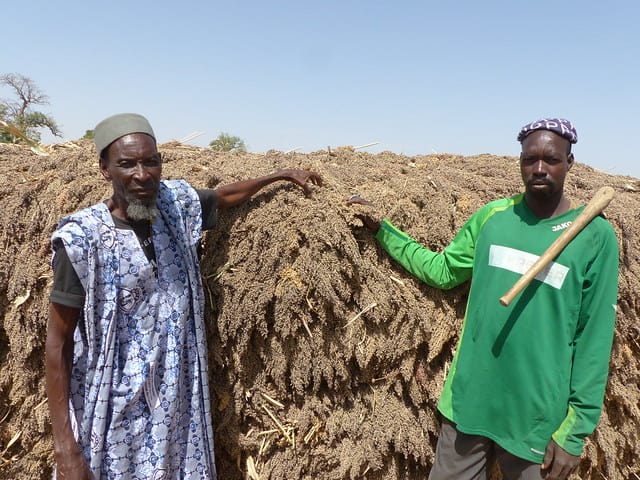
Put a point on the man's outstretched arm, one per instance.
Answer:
(239, 192)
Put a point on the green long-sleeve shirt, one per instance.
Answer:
(537, 369)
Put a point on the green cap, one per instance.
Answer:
(112, 128)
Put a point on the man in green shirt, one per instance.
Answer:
(527, 382)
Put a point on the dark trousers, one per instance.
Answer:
(470, 457)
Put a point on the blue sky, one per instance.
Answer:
(417, 76)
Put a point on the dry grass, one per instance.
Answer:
(5, 457)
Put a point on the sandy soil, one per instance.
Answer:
(304, 308)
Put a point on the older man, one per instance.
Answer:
(527, 382)
(126, 352)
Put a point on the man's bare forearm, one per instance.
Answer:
(239, 192)
(58, 363)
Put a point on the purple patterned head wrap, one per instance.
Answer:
(562, 127)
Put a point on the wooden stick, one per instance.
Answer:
(598, 203)
(366, 309)
(191, 136)
(366, 145)
(272, 400)
(278, 424)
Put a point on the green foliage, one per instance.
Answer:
(20, 112)
(88, 135)
(228, 143)
(4, 136)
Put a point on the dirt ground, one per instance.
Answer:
(326, 358)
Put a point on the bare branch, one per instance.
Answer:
(20, 112)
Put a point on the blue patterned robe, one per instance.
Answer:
(139, 386)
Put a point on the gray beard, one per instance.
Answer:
(138, 210)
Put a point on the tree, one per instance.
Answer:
(20, 112)
(88, 135)
(5, 137)
(228, 143)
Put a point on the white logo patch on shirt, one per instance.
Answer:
(560, 226)
(519, 262)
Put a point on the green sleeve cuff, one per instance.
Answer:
(564, 437)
